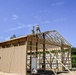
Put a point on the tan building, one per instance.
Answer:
(17, 55)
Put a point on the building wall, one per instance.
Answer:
(13, 60)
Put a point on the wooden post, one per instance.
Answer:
(43, 66)
(62, 56)
(30, 54)
(36, 46)
(26, 56)
(70, 59)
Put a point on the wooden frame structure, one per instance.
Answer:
(37, 45)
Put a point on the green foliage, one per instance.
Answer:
(73, 60)
(73, 50)
(14, 36)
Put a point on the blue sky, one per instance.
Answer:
(18, 16)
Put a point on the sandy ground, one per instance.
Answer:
(1, 73)
(74, 73)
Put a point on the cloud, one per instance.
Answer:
(47, 22)
(57, 4)
(20, 27)
(2, 38)
(57, 20)
(37, 17)
(15, 16)
(16, 28)
(28, 25)
(7, 38)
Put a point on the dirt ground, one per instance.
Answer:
(67, 73)
(74, 73)
(1, 73)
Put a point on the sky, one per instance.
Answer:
(18, 16)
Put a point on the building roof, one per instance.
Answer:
(51, 37)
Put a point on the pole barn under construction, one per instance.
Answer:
(46, 51)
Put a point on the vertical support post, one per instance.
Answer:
(70, 59)
(62, 55)
(50, 62)
(68, 62)
(30, 54)
(43, 66)
(57, 60)
(39, 60)
(36, 46)
(26, 56)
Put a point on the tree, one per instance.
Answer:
(73, 50)
(14, 36)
